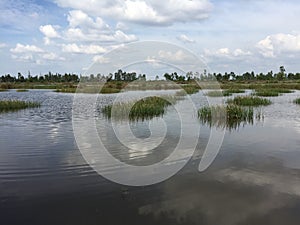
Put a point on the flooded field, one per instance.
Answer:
(44, 179)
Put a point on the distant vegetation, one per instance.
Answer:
(68, 82)
(226, 116)
(146, 108)
(13, 105)
(249, 101)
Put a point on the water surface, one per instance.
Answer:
(44, 179)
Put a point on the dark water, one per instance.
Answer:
(44, 179)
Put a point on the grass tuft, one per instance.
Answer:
(146, 108)
(271, 92)
(13, 105)
(21, 90)
(297, 101)
(249, 101)
(229, 116)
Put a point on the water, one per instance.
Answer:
(44, 179)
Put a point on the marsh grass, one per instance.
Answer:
(13, 105)
(225, 93)
(2, 90)
(191, 89)
(146, 108)
(21, 90)
(229, 116)
(249, 101)
(297, 101)
(271, 92)
(215, 94)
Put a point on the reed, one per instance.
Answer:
(21, 90)
(271, 92)
(146, 108)
(215, 94)
(227, 92)
(229, 116)
(297, 101)
(191, 89)
(13, 105)
(249, 101)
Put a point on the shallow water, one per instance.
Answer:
(44, 179)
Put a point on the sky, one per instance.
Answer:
(69, 36)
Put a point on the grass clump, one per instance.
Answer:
(297, 101)
(249, 101)
(233, 91)
(21, 90)
(146, 108)
(191, 89)
(227, 92)
(13, 105)
(2, 90)
(229, 116)
(271, 92)
(215, 94)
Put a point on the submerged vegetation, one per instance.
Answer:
(226, 116)
(249, 101)
(13, 105)
(146, 108)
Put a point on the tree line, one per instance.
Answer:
(132, 76)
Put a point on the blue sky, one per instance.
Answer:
(68, 36)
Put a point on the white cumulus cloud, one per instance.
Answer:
(49, 31)
(185, 39)
(226, 52)
(274, 45)
(84, 49)
(152, 12)
(25, 48)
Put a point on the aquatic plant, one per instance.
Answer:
(21, 90)
(2, 90)
(271, 92)
(226, 116)
(297, 101)
(249, 101)
(191, 89)
(146, 108)
(12, 105)
(215, 94)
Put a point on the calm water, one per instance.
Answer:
(44, 179)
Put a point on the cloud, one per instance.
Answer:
(25, 48)
(185, 39)
(49, 31)
(83, 49)
(274, 45)
(77, 18)
(84, 28)
(226, 53)
(2, 45)
(147, 12)
(52, 56)
(101, 59)
(172, 56)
